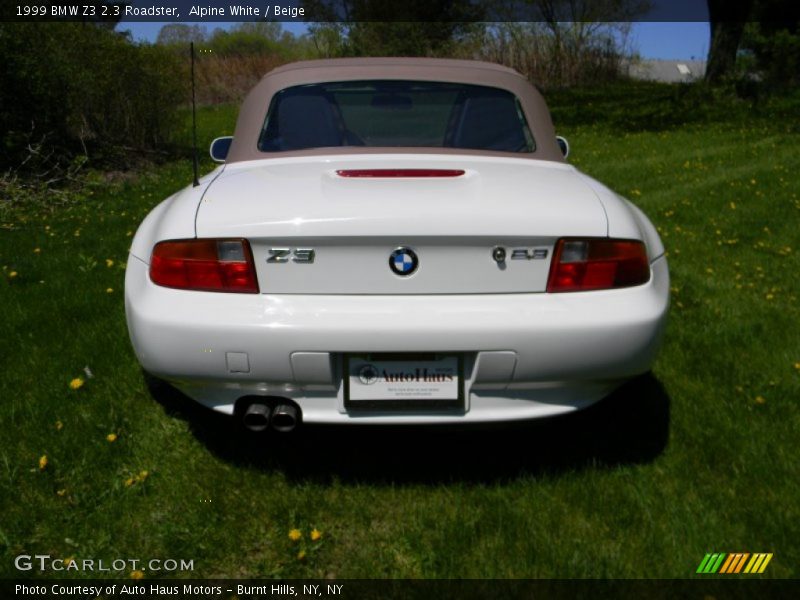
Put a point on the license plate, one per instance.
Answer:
(403, 381)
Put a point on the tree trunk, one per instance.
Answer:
(727, 19)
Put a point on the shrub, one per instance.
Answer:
(83, 89)
(228, 79)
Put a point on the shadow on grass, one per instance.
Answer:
(629, 427)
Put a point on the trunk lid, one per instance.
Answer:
(353, 224)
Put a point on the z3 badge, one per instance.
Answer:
(499, 254)
(528, 253)
(298, 255)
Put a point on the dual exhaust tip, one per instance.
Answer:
(259, 416)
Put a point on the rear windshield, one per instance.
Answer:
(395, 113)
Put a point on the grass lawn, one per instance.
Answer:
(642, 487)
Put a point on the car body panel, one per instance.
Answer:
(561, 342)
(626, 220)
(496, 196)
(173, 218)
(352, 224)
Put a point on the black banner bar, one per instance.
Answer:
(211, 11)
(717, 587)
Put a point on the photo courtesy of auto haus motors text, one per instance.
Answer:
(134, 590)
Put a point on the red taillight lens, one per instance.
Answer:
(205, 265)
(400, 172)
(597, 264)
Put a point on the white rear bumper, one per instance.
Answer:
(526, 355)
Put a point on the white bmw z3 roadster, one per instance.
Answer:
(395, 241)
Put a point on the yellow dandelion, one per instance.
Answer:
(37, 250)
(316, 534)
(12, 274)
(769, 296)
(76, 383)
(143, 475)
(61, 493)
(733, 205)
(709, 270)
(797, 366)
(111, 437)
(69, 560)
(129, 481)
(43, 462)
(109, 290)
(59, 426)
(301, 555)
(137, 574)
(295, 535)
(109, 262)
(760, 400)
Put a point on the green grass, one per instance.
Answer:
(541, 501)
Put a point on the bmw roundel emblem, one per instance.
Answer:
(403, 261)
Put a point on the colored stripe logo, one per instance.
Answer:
(734, 562)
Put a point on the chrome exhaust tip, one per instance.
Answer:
(256, 417)
(284, 418)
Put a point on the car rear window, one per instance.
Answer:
(395, 113)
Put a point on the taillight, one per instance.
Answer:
(205, 265)
(597, 264)
(400, 173)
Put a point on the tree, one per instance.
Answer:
(179, 33)
(767, 32)
(409, 28)
(75, 88)
(270, 30)
(249, 38)
(329, 39)
(727, 19)
(771, 42)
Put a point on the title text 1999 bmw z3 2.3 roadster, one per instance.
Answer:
(395, 241)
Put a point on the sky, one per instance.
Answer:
(682, 41)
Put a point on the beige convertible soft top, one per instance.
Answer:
(254, 109)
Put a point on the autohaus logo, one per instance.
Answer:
(369, 374)
(403, 261)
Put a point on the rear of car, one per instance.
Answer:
(396, 249)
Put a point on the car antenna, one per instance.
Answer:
(195, 183)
